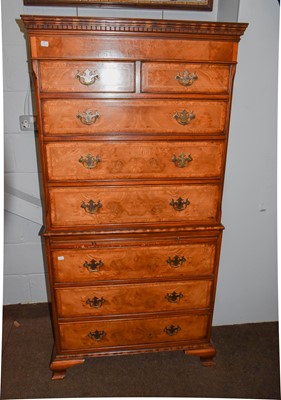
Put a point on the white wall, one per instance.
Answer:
(228, 10)
(247, 289)
(247, 286)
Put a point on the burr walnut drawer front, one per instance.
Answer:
(133, 332)
(141, 261)
(87, 76)
(85, 117)
(133, 298)
(134, 160)
(134, 204)
(184, 78)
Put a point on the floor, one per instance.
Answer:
(247, 365)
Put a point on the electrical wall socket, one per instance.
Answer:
(27, 123)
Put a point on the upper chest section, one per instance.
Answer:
(119, 39)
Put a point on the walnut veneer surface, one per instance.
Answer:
(133, 120)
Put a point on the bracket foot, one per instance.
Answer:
(206, 355)
(59, 367)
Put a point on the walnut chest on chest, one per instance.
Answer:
(133, 119)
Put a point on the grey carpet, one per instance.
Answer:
(247, 365)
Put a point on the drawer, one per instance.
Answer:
(133, 298)
(143, 260)
(85, 117)
(87, 76)
(134, 332)
(134, 160)
(185, 78)
(133, 48)
(137, 204)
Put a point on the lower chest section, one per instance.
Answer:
(133, 292)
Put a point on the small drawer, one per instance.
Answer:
(133, 332)
(74, 76)
(134, 160)
(92, 117)
(185, 78)
(144, 260)
(134, 204)
(133, 298)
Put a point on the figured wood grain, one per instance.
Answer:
(138, 298)
(136, 230)
(135, 116)
(131, 48)
(74, 336)
(161, 77)
(134, 262)
(134, 160)
(60, 76)
(134, 205)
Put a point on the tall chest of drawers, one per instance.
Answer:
(133, 119)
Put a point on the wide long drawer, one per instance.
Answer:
(112, 48)
(138, 260)
(134, 160)
(87, 76)
(137, 204)
(135, 332)
(85, 117)
(133, 298)
(160, 77)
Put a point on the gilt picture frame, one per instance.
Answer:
(198, 5)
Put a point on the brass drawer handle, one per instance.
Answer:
(87, 77)
(89, 161)
(174, 297)
(172, 330)
(97, 335)
(91, 207)
(176, 261)
(182, 160)
(180, 204)
(88, 118)
(95, 302)
(93, 266)
(184, 117)
(187, 78)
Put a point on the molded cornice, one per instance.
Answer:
(128, 26)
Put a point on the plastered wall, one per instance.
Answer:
(247, 286)
(247, 289)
